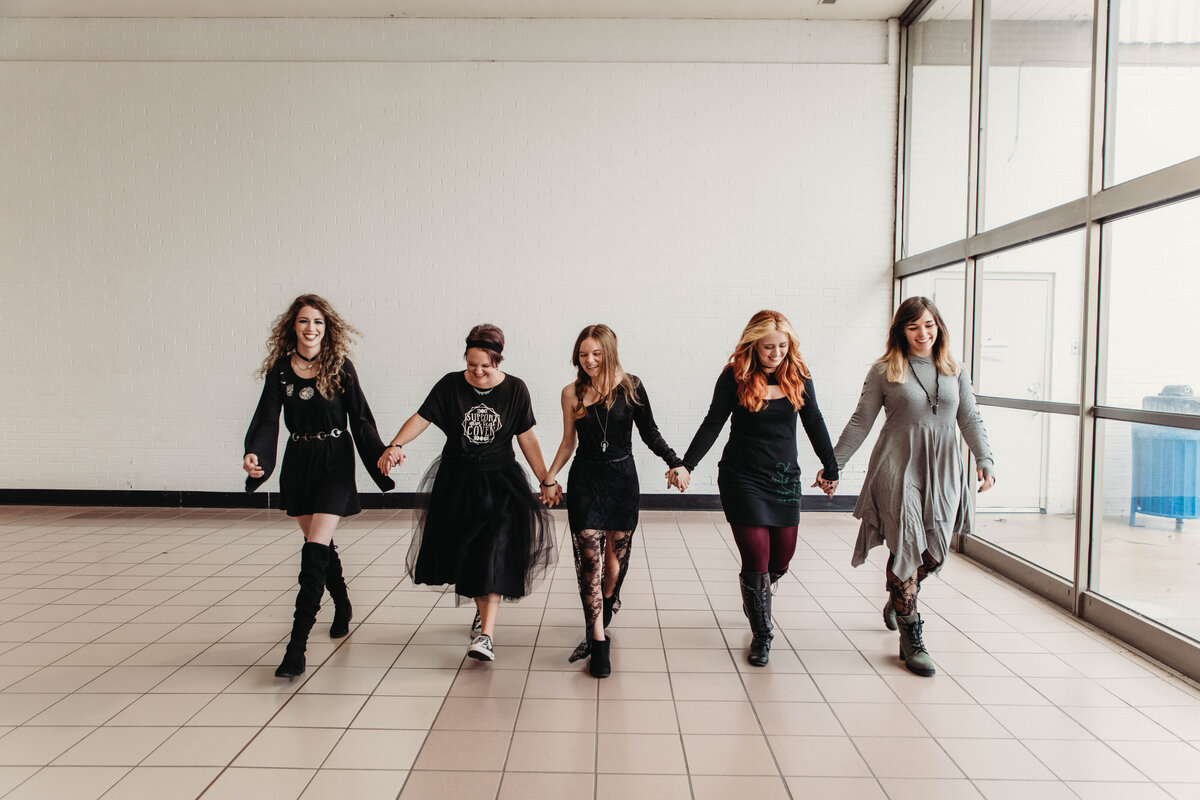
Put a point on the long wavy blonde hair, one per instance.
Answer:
(610, 367)
(895, 357)
(748, 370)
(335, 345)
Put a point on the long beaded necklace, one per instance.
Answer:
(603, 427)
(933, 403)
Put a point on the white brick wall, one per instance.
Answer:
(157, 214)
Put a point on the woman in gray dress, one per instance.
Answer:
(915, 494)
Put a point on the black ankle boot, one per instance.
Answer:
(756, 603)
(599, 664)
(335, 582)
(609, 602)
(314, 561)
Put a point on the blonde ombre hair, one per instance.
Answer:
(748, 371)
(895, 357)
(610, 369)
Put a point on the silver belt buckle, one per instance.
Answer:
(336, 432)
(321, 436)
(295, 437)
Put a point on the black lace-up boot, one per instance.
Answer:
(756, 603)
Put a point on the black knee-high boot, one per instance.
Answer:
(756, 602)
(314, 560)
(335, 582)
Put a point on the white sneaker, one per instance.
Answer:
(481, 648)
(476, 626)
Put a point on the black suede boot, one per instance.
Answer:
(599, 665)
(756, 603)
(314, 561)
(335, 582)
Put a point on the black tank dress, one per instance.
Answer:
(602, 486)
(758, 476)
(317, 476)
(479, 525)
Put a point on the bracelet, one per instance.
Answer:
(395, 445)
(548, 485)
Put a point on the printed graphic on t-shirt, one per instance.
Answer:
(480, 424)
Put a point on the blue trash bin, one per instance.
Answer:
(1166, 461)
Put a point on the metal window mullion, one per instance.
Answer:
(903, 147)
(1090, 462)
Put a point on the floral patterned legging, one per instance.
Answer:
(590, 547)
(904, 592)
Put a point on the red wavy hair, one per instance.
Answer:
(748, 370)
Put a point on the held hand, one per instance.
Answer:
(392, 457)
(550, 495)
(985, 483)
(250, 464)
(679, 477)
(828, 487)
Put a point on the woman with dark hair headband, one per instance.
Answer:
(479, 526)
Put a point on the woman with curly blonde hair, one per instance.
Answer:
(764, 387)
(600, 409)
(311, 378)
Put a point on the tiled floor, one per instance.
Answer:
(137, 648)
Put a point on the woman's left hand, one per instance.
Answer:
(985, 482)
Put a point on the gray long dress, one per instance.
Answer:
(915, 494)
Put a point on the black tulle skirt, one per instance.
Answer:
(480, 527)
(603, 495)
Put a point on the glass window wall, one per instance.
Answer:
(1148, 558)
(1031, 320)
(1038, 105)
(939, 96)
(1155, 86)
(1153, 293)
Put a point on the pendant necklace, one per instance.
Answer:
(482, 392)
(604, 428)
(933, 403)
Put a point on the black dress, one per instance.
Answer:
(603, 490)
(479, 524)
(758, 476)
(317, 476)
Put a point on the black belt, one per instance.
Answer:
(318, 436)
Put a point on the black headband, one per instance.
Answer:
(495, 348)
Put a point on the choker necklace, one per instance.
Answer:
(481, 392)
(308, 362)
(933, 403)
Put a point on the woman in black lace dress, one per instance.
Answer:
(764, 388)
(599, 411)
(309, 376)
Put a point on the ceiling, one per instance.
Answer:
(584, 9)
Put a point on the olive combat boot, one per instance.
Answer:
(912, 646)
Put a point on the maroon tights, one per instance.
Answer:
(765, 549)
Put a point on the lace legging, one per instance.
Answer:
(590, 547)
(904, 592)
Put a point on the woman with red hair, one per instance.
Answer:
(764, 387)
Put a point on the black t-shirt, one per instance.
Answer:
(479, 424)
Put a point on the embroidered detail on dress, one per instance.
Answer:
(306, 393)
(480, 424)
(787, 483)
(290, 389)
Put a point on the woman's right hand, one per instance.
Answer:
(250, 464)
(551, 495)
